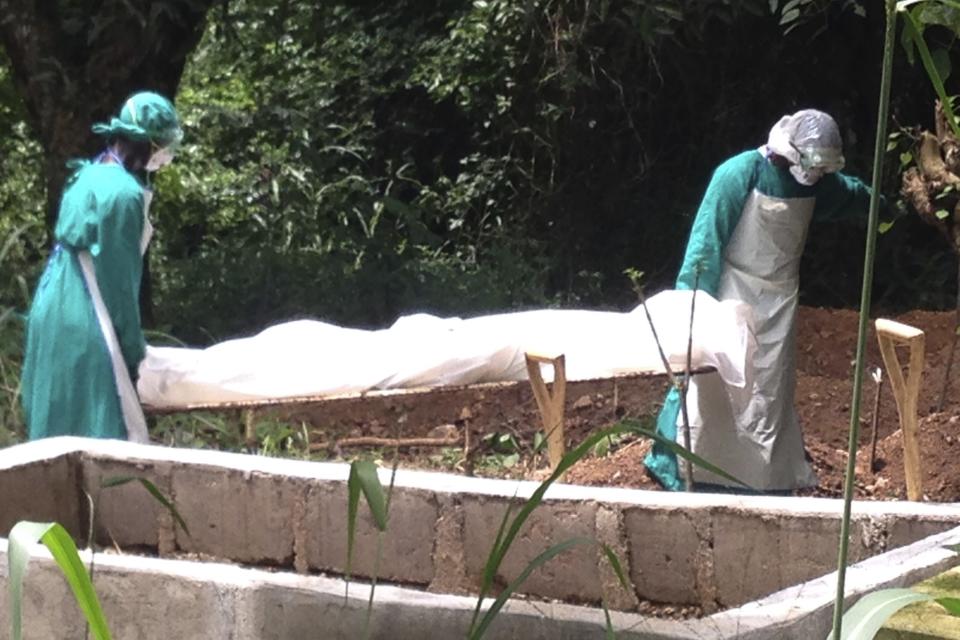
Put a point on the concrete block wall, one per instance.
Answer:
(42, 489)
(155, 599)
(715, 551)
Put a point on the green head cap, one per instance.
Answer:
(145, 116)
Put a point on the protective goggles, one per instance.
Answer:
(827, 159)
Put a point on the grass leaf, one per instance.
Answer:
(22, 537)
(365, 473)
(615, 563)
(491, 566)
(952, 605)
(865, 618)
(681, 452)
(914, 30)
(540, 560)
(363, 479)
(152, 489)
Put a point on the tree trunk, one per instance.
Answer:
(74, 66)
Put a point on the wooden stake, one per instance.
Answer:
(890, 334)
(551, 404)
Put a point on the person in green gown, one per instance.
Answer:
(84, 340)
(746, 243)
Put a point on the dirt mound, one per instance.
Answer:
(827, 342)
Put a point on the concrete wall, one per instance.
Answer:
(157, 599)
(710, 550)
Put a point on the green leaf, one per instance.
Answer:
(942, 214)
(25, 535)
(865, 618)
(906, 157)
(510, 529)
(891, 145)
(915, 32)
(602, 448)
(615, 564)
(941, 62)
(364, 472)
(679, 451)
(492, 563)
(152, 489)
(952, 605)
(504, 595)
(363, 479)
(511, 460)
(885, 226)
(538, 441)
(789, 16)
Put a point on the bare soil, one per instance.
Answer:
(826, 350)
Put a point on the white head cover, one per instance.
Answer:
(808, 138)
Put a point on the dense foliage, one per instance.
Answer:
(349, 161)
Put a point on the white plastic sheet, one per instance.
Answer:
(309, 358)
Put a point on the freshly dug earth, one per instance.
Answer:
(827, 341)
(826, 349)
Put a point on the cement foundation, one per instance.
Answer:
(764, 560)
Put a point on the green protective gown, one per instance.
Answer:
(836, 195)
(68, 383)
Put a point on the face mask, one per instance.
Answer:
(159, 159)
(806, 177)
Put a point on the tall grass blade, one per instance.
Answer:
(163, 336)
(365, 473)
(22, 537)
(866, 291)
(533, 565)
(380, 533)
(508, 533)
(363, 479)
(490, 567)
(686, 454)
(864, 619)
(609, 633)
(615, 563)
(153, 491)
(914, 30)
(952, 605)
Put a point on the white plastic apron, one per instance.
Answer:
(133, 416)
(753, 433)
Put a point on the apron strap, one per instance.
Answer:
(133, 416)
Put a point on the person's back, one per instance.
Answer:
(67, 376)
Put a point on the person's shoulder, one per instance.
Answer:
(745, 160)
(738, 169)
(106, 182)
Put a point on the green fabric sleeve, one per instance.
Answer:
(719, 213)
(841, 196)
(119, 265)
(77, 223)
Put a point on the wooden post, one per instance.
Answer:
(551, 404)
(890, 334)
